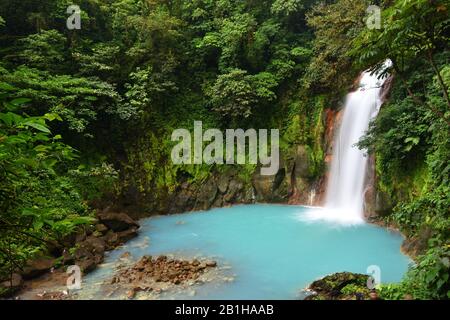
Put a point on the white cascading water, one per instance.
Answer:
(344, 198)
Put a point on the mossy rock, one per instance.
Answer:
(340, 286)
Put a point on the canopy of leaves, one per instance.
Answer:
(335, 26)
(237, 94)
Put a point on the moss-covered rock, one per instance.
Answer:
(341, 286)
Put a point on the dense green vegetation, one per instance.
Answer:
(410, 137)
(86, 115)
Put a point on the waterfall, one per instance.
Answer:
(344, 196)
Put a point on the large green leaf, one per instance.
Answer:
(37, 126)
(10, 118)
(20, 101)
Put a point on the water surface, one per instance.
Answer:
(271, 251)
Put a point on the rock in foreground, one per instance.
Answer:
(341, 286)
(148, 273)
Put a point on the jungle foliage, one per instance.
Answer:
(88, 113)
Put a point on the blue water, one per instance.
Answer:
(271, 251)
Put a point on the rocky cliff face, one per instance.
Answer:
(296, 182)
(219, 190)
